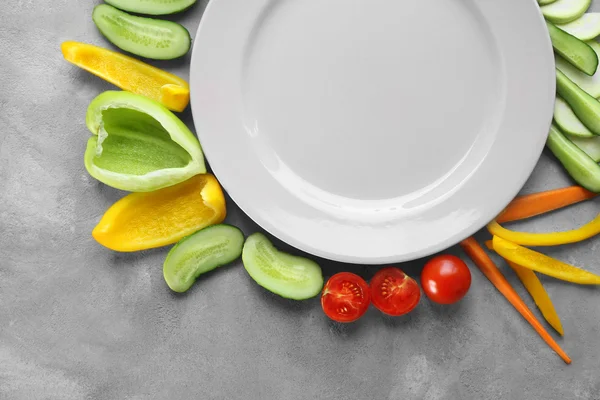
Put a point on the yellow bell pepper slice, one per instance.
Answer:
(130, 74)
(535, 288)
(539, 295)
(543, 264)
(587, 231)
(142, 221)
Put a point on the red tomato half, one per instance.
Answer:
(446, 279)
(346, 297)
(393, 292)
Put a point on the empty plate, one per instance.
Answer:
(372, 131)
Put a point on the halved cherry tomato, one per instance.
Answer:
(346, 297)
(393, 292)
(446, 279)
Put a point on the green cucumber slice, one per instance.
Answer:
(565, 11)
(286, 275)
(585, 107)
(590, 84)
(578, 164)
(587, 27)
(575, 51)
(567, 121)
(544, 2)
(590, 146)
(145, 37)
(201, 252)
(152, 7)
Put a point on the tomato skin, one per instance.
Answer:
(393, 292)
(346, 297)
(446, 279)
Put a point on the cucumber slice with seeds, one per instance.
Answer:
(591, 84)
(145, 37)
(568, 122)
(152, 7)
(585, 107)
(590, 146)
(565, 11)
(201, 252)
(587, 27)
(575, 51)
(286, 275)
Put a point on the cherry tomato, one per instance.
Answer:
(446, 279)
(346, 297)
(393, 292)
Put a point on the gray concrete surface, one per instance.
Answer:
(80, 322)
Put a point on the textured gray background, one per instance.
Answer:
(78, 321)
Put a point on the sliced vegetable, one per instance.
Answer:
(568, 122)
(152, 7)
(544, 2)
(539, 203)
(584, 170)
(288, 276)
(586, 27)
(489, 269)
(139, 145)
(591, 84)
(346, 297)
(142, 221)
(539, 295)
(565, 11)
(393, 292)
(542, 263)
(585, 107)
(146, 37)
(445, 279)
(590, 146)
(130, 74)
(576, 52)
(587, 231)
(201, 252)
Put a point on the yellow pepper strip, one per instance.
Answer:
(130, 74)
(587, 231)
(543, 264)
(534, 286)
(539, 295)
(142, 221)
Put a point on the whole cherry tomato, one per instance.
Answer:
(445, 279)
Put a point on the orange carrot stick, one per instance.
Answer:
(489, 269)
(538, 203)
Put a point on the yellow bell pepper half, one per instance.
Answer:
(541, 263)
(142, 221)
(130, 74)
(587, 231)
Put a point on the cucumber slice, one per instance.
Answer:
(578, 164)
(585, 107)
(544, 2)
(567, 121)
(590, 84)
(590, 146)
(288, 276)
(565, 11)
(575, 51)
(587, 27)
(152, 7)
(145, 37)
(201, 252)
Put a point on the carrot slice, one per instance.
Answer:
(489, 269)
(539, 203)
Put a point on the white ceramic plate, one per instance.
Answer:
(372, 131)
